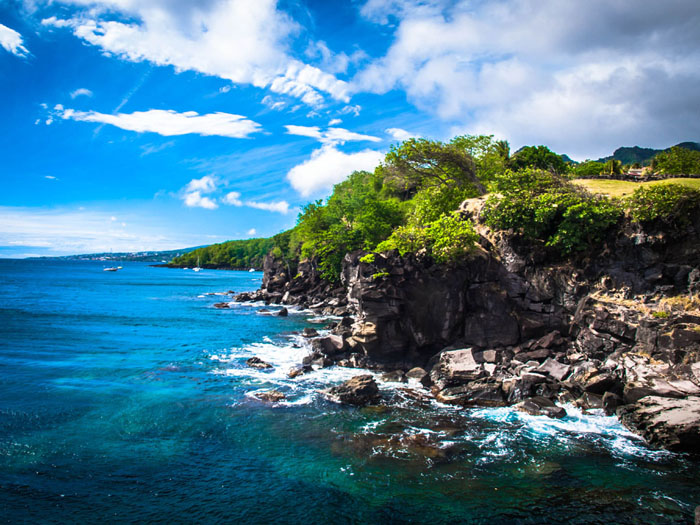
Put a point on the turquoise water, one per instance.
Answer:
(125, 397)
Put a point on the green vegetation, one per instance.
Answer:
(233, 254)
(671, 203)
(678, 161)
(543, 206)
(409, 202)
(379, 275)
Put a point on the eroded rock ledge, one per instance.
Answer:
(508, 326)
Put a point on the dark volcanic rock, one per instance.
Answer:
(541, 406)
(270, 396)
(309, 332)
(256, 362)
(282, 313)
(298, 370)
(474, 394)
(667, 422)
(222, 305)
(358, 391)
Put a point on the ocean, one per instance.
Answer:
(125, 397)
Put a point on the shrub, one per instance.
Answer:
(451, 238)
(380, 275)
(543, 206)
(405, 239)
(369, 258)
(671, 203)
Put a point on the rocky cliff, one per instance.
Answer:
(617, 329)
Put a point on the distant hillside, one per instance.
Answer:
(247, 253)
(151, 256)
(630, 155)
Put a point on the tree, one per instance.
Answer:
(588, 168)
(678, 161)
(422, 163)
(538, 157)
(612, 167)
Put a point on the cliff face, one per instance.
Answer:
(510, 326)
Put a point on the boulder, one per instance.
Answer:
(610, 403)
(298, 370)
(396, 376)
(358, 391)
(309, 332)
(455, 367)
(222, 305)
(331, 345)
(554, 369)
(270, 396)
(256, 362)
(666, 422)
(282, 313)
(475, 394)
(541, 406)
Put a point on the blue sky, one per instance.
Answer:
(159, 124)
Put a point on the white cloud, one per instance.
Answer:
(232, 198)
(278, 207)
(330, 135)
(12, 41)
(168, 122)
(81, 92)
(328, 166)
(195, 199)
(192, 193)
(252, 231)
(206, 184)
(237, 40)
(335, 122)
(578, 76)
(400, 134)
(50, 177)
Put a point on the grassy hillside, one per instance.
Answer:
(619, 188)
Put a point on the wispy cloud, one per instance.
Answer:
(400, 134)
(168, 122)
(61, 231)
(12, 41)
(230, 39)
(81, 92)
(202, 193)
(330, 135)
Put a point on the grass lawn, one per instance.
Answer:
(621, 188)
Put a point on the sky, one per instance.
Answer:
(132, 125)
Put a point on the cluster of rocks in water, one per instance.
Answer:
(512, 326)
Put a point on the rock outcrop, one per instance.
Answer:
(510, 325)
(358, 391)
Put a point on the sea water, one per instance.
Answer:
(125, 397)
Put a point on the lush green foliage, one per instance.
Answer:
(359, 214)
(538, 157)
(448, 239)
(678, 161)
(232, 254)
(589, 168)
(416, 164)
(672, 203)
(543, 206)
(451, 238)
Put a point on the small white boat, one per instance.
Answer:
(252, 270)
(197, 268)
(110, 269)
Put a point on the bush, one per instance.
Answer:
(672, 203)
(447, 239)
(369, 258)
(451, 238)
(542, 206)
